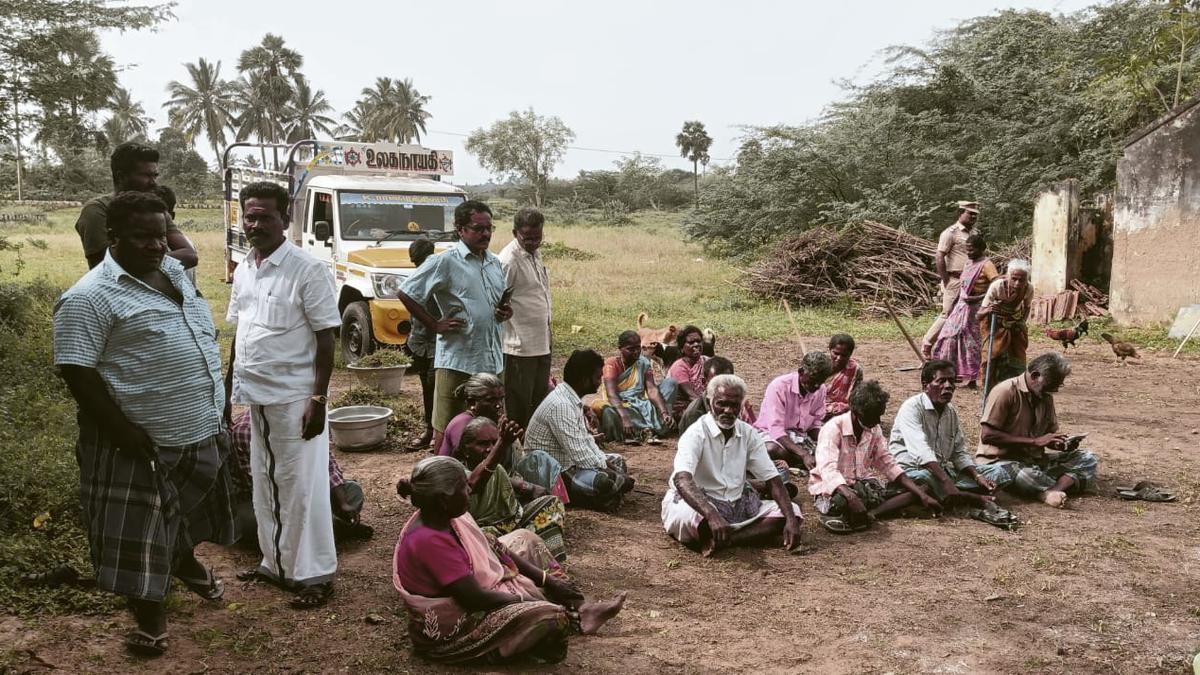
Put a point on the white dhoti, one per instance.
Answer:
(291, 496)
(682, 522)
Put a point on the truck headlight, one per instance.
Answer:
(386, 285)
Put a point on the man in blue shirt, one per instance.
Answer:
(467, 282)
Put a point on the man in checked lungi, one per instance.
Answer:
(136, 346)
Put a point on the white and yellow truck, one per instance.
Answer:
(357, 206)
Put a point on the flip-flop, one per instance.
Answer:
(210, 588)
(835, 524)
(144, 644)
(1147, 492)
(994, 515)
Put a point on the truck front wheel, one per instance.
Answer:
(357, 338)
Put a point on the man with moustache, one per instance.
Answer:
(281, 359)
(927, 442)
(137, 348)
(467, 282)
(709, 502)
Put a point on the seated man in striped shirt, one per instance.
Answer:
(594, 479)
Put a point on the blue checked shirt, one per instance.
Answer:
(160, 360)
(467, 287)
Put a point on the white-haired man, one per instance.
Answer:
(709, 502)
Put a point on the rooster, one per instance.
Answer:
(1121, 349)
(1068, 336)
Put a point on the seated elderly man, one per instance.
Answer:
(1019, 425)
(856, 480)
(792, 410)
(709, 503)
(594, 479)
(927, 442)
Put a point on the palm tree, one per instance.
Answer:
(272, 68)
(254, 116)
(306, 115)
(693, 144)
(351, 129)
(208, 106)
(393, 110)
(128, 119)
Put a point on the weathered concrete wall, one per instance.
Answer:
(1056, 251)
(1156, 229)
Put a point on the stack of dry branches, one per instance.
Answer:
(868, 263)
(1018, 248)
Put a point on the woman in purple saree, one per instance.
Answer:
(960, 342)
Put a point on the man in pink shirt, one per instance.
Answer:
(792, 410)
(856, 479)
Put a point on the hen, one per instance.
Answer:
(1121, 349)
(1068, 336)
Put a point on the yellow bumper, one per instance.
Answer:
(388, 319)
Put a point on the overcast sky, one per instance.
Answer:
(624, 75)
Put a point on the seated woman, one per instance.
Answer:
(500, 504)
(846, 375)
(684, 382)
(716, 365)
(640, 413)
(472, 597)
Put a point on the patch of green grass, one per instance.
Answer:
(243, 642)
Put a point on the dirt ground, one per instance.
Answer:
(1103, 586)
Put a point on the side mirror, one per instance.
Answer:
(321, 230)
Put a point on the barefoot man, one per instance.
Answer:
(1019, 425)
(709, 503)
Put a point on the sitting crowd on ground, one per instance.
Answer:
(479, 562)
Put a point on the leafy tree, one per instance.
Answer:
(73, 80)
(693, 143)
(183, 169)
(524, 147)
(392, 110)
(306, 115)
(128, 119)
(206, 106)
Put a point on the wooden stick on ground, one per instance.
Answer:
(1186, 338)
(904, 331)
(792, 320)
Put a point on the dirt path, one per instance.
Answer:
(1105, 586)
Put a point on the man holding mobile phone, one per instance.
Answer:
(467, 283)
(527, 335)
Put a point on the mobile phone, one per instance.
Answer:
(505, 297)
(1074, 441)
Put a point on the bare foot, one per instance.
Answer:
(705, 540)
(1055, 498)
(593, 615)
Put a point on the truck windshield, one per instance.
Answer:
(396, 216)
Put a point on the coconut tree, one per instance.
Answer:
(128, 119)
(351, 128)
(393, 110)
(306, 116)
(271, 67)
(207, 106)
(693, 144)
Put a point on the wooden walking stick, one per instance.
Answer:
(792, 320)
(987, 373)
(903, 331)
(1186, 338)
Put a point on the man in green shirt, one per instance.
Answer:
(134, 167)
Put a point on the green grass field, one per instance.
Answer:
(644, 266)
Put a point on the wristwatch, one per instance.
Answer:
(319, 398)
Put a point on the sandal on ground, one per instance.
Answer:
(835, 524)
(1147, 492)
(209, 588)
(313, 596)
(994, 515)
(144, 644)
(252, 574)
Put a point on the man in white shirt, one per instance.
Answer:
(709, 503)
(526, 343)
(281, 359)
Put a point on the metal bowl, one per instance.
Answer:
(359, 427)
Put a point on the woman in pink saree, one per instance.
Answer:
(960, 342)
(472, 597)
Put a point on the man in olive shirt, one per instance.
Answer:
(134, 168)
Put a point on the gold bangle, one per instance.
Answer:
(487, 470)
(543, 577)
